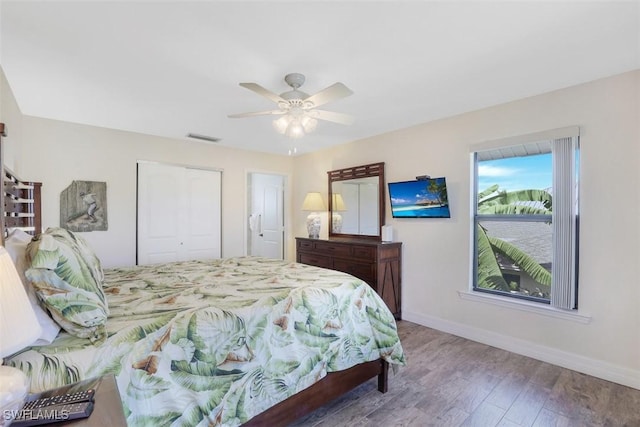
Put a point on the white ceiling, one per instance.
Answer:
(172, 67)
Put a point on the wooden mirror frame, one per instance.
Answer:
(357, 172)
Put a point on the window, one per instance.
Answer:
(525, 208)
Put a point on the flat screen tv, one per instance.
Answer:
(424, 198)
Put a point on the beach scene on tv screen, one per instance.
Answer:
(419, 199)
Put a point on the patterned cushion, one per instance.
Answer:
(68, 280)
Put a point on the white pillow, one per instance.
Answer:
(16, 245)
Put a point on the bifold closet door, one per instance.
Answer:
(179, 211)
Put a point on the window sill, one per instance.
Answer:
(527, 306)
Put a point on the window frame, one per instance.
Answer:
(568, 135)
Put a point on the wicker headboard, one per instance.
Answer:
(21, 204)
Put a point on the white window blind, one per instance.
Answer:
(565, 218)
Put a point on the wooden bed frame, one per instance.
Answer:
(21, 208)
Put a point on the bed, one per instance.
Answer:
(234, 341)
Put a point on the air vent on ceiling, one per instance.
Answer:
(203, 137)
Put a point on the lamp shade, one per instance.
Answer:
(337, 203)
(19, 326)
(313, 203)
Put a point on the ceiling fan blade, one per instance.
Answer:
(335, 91)
(331, 116)
(264, 92)
(255, 113)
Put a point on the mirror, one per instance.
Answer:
(356, 201)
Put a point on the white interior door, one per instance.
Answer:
(266, 219)
(178, 213)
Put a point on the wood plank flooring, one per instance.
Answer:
(451, 381)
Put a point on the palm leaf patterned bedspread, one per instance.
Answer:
(217, 342)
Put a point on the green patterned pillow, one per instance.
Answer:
(68, 280)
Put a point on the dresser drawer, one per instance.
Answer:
(365, 253)
(317, 260)
(333, 249)
(364, 272)
(305, 245)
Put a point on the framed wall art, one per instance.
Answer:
(83, 206)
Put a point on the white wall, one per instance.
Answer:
(436, 261)
(9, 115)
(57, 153)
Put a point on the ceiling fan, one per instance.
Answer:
(298, 109)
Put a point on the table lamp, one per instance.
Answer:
(19, 328)
(313, 203)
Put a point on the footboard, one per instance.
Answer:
(335, 384)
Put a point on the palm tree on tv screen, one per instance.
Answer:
(439, 189)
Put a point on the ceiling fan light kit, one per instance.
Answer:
(297, 109)
(296, 123)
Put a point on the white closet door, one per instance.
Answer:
(202, 234)
(178, 213)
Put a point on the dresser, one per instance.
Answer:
(377, 263)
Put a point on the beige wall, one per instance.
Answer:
(436, 260)
(10, 115)
(67, 152)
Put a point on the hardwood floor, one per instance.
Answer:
(451, 381)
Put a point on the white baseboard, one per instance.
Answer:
(576, 362)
